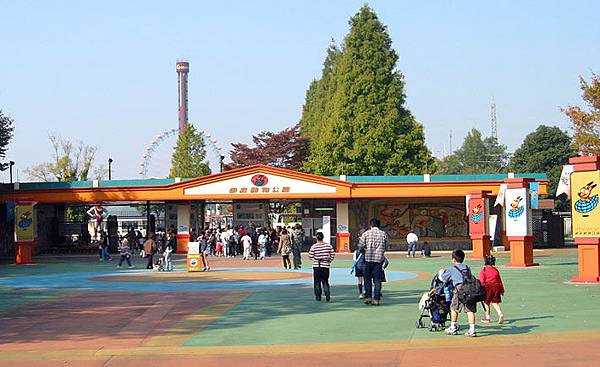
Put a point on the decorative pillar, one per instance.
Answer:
(479, 230)
(183, 227)
(342, 220)
(25, 231)
(518, 221)
(585, 185)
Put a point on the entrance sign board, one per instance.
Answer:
(260, 183)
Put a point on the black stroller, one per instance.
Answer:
(435, 305)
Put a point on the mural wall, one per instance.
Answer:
(443, 220)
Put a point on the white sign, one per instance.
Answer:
(500, 197)
(260, 183)
(326, 228)
(517, 212)
(564, 183)
(193, 248)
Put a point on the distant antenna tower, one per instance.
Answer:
(493, 119)
(451, 151)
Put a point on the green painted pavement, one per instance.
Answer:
(537, 301)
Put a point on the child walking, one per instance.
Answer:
(322, 255)
(490, 278)
(125, 252)
(358, 266)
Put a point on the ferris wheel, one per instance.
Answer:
(213, 151)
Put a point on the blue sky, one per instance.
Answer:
(104, 72)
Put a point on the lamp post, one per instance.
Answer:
(12, 163)
(110, 160)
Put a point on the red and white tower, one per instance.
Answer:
(183, 68)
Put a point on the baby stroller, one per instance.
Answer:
(435, 304)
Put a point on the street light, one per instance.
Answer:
(12, 163)
(110, 160)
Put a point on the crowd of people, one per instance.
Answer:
(253, 242)
(369, 263)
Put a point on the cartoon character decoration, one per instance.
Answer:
(259, 180)
(477, 213)
(587, 202)
(97, 213)
(516, 209)
(25, 220)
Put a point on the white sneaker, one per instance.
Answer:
(470, 333)
(452, 330)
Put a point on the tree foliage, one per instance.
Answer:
(355, 115)
(189, 155)
(586, 124)
(476, 155)
(70, 162)
(286, 149)
(316, 107)
(6, 133)
(546, 150)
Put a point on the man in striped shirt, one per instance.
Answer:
(374, 241)
(322, 255)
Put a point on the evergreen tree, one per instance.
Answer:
(319, 93)
(546, 150)
(189, 155)
(366, 129)
(476, 155)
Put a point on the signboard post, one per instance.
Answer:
(194, 259)
(25, 231)
(585, 213)
(518, 219)
(479, 212)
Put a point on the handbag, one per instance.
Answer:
(142, 253)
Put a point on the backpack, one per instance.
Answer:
(470, 290)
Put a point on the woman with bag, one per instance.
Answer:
(149, 249)
(285, 248)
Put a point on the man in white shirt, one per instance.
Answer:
(247, 243)
(412, 240)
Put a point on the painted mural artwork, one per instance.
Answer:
(516, 209)
(587, 202)
(425, 221)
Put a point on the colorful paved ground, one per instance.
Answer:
(75, 311)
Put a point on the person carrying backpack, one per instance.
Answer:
(466, 293)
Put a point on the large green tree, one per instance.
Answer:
(316, 107)
(476, 155)
(6, 133)
(365, 128)
(546, 149)
(189, 155)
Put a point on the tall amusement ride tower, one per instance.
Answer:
(183, 68)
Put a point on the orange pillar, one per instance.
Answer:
(24, 253)
(343, 242)
(479, 211)
(518, 222)
(585, 213)
(521, 252)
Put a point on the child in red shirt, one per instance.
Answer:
(489, 277)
